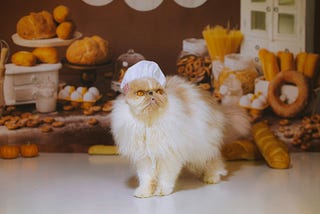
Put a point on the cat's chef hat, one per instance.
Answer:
(143, 69)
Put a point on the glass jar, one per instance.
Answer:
(194, 63)
(123, 62)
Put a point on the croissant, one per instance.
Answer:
(273, 150)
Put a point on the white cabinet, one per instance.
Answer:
(277, 25)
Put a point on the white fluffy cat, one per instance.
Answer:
(163, 129)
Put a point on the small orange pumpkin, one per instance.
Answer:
(29, 150)
(9, 151)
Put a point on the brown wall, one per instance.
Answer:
(156, 34)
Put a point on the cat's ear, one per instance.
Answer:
(125, 88)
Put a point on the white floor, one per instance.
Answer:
(78, 183)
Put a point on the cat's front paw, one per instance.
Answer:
(214, 177)
(163, 190)
(143, 192)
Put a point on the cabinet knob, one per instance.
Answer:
(276, 9)
(256, 59)
(268, 9)
(257, 47)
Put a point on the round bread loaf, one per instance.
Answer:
(46, 54)
(88, 51)
(65, 30)
(23, 58)
(61, 13)
(36, 26)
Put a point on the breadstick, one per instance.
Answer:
(310, 65)
(103, 150)
(271, 66)
(286, 60)
(262, 53)
(300, 61)
(274, 151)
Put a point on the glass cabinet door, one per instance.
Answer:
(258, 17)
(285, 18)
(286, 2)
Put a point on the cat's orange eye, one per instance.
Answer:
(159, 91)
(140, 93)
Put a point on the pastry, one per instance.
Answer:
(93, 121)
(24, 58)
(46, 55)
(65, 30)
(283, 109)
(37, 26)
(61, 13)
(88, 51)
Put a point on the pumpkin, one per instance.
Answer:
(29, 150)
(9, 151)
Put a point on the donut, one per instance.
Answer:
(283, 109)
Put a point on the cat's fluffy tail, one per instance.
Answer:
(238, 123)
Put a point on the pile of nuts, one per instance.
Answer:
(308, 131)
(302, 136)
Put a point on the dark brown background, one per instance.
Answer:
(156, 34)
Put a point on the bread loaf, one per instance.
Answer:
(61, 13)
(46, 55)
(36, 26)
(65, 30)
(88, 51)
(274, 151)
(23, 58)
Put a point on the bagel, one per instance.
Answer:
(283, 109)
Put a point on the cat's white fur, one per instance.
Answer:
(185, 128)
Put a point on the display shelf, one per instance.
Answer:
(44, 42)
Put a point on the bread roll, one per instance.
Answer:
(65, 30)
(46, 55)
(88, 51)
(36, 26)
(24, 58)
(61, 13)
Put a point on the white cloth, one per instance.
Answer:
(143, 69)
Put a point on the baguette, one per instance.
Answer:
(271, 66)
(273, 150)
(240, 150)
(310, 65)
(262, 54)
(300, 61)
(286, 60)
(103, 150)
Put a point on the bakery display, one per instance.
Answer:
(24, 58)
(92, 50)
(43, 29)
(37, 25)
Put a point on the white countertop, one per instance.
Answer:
(78, 183)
